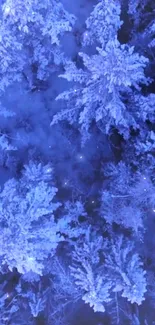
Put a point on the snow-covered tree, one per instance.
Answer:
(12, 59)
(99, 87)
(63, 294)
(101, 268)
(103, 23)
(88, 273)
(30, 39)
(126, 270)
(27, 219)
(27, 222)
(128, 198)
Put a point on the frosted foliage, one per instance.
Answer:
(145, 144)
(145, 107)
(118, 210)
(121, 177)
(126, 269)
(97, 93)
(144, 191)
(98, 291)
(49, 16)
(27, 221)
(119, 172)
(116, 69)
(122, 66)
(36, 302)
(152, 34)
(30, 34)
(70, 224)
(19, 11)
(35, 172)
(134, 5)
(75, 209)
(88, 275)
(5, 145)
(138, 11)
(103, 23)
(11, 57)
(127, 198)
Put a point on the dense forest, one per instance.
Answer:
(77, 162)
